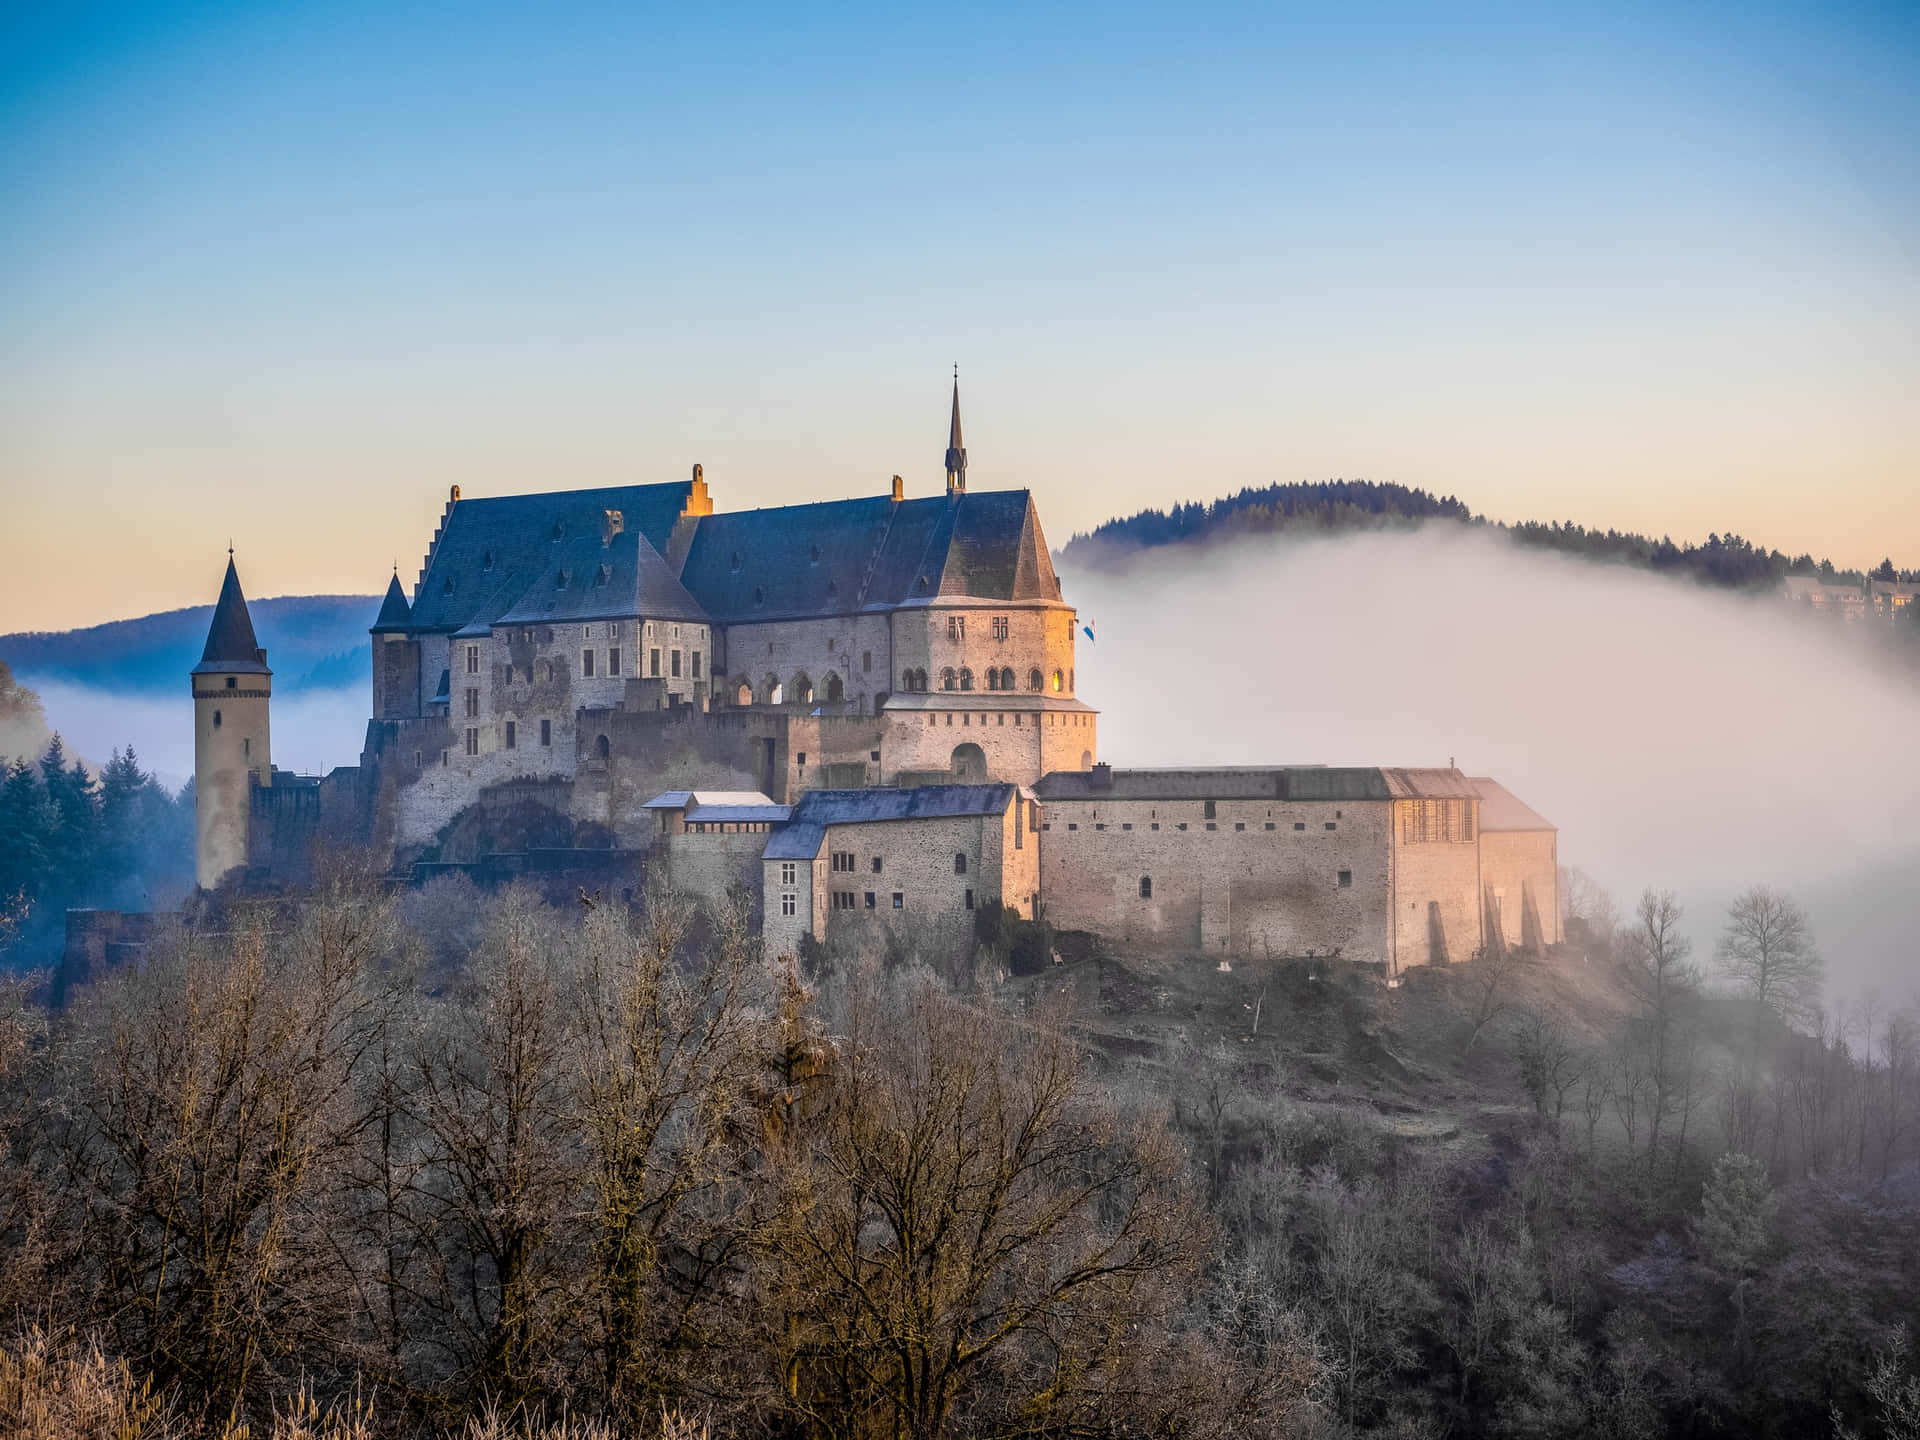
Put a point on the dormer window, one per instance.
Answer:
(733, 561)
(233, 682)
(813, 554)
(605, 573)
(486, 561)
(920, 586)
(833, 588)
(447, 588)
(759, 595)
(560, 580)
(559, 529)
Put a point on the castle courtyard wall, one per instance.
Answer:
(1437, 904)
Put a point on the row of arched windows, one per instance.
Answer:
(1002, 678)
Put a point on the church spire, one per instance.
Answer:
(956, 450)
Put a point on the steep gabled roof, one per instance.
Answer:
(395, 613)
(1501, 809)
(588, 580)
(231, 647)
(841, 556)
(491, 551)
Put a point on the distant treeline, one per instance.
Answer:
(1337, 506)
(312, 642)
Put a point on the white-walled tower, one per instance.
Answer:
(231, 749)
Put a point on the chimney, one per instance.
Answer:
(1101, 776)
(899, 490)
(612, 522)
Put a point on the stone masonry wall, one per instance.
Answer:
(1238, 888)
(1520, 872)
(1437, 901)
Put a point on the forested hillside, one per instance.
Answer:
(311, 641)
(1344, 506)
(438, 1163)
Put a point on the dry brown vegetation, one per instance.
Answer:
(475, 1166)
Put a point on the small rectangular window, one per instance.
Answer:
(787, 901)
(899, 900)
(786, 872)
(866, 662)
(1299, 824)
(1146, 887)
(1239, 825)
(510, 735)
(473, 659)
(696, 663)
(876, 864)
(801, 760)
(613, 662)
(586, 662)
(473, 704)
(473, 741)
(653, 662)
(969, 899)
(1346, 879)
(1209, 811)
(871, 898)
(675, 664)
(1269, 824)
(1331, 825)
(1212, 826)
(960, 863)
(546, 732)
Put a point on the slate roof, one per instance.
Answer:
(731, 814)
(587, 580)
(490, 551)
(1430, 784)
(395, 612)
(842, 556)
(800, 839)
(1501, 809)
(1289, 782)
(722, 805)
(231, 646)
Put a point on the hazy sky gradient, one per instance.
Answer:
(285, 273)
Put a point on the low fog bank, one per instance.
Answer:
(1678, 737)
(313, 730)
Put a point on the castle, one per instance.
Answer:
(863, 712)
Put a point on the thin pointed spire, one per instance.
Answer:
(956, 447)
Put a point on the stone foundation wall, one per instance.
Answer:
(1519, 870)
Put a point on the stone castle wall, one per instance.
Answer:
(1520, 873)
(1436, 898)
(1259, 877)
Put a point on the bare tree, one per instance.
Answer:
(1663, 982)
(1767, 951)
(1550, 1064)
(971, 1236)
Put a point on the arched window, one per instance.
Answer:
(1057, 679)
(966, 678)
(969, 762)
(948, 680)
(1034, 682)
(1006, 678)
(802, 689)
(771, 688)
(602, 748)
(993, 678)
(836, 691)
(959, 862)
(1146, 887)
(744, 695)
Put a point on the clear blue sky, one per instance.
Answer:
(286, 272)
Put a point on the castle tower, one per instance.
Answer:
(956, 449)
(231, 686)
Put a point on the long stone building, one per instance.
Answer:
(861, 714)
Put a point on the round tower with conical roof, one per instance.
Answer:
(231, 742)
